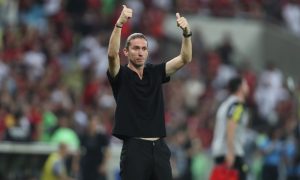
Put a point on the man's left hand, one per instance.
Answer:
(183, 24)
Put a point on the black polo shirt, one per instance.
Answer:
(140, 105)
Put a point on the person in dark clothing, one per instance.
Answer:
(95, 152)
(137, 89)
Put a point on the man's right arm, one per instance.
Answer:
(114, 42)
(230, 155)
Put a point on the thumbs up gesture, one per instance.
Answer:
(125, 15)
(182, 23)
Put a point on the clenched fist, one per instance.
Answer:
(183, 24)
(125, 15)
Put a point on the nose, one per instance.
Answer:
(140, 52)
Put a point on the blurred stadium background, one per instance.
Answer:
(52, 78)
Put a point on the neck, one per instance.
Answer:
(138, 69)
(61, 154)
(240, 96)
(92, 132)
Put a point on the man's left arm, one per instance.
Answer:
(102, 169)
(234, 116)
(185, 55)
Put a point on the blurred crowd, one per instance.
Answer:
(53, 66)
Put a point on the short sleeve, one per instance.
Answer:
(235, 112)
(162, 71)
(115, 81)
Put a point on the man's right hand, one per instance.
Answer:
(125, 15)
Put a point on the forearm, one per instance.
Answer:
(230, 146)
(185, 55)
(104, 164)
(113, 51)
(114, 43)
(231, 127)
(186, 50)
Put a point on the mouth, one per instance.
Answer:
(140, 60)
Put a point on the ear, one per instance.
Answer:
(125, 51)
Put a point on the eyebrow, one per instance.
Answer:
(136, 46)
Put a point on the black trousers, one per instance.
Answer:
(145, 160)
(239, 165)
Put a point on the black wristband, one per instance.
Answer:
(118, 26)
(187, 35)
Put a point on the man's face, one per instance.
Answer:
(64, 149)
(245, 88)
(137, 52)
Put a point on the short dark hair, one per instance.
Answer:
(134, 36)
(234, 84)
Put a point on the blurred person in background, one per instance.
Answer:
(18, 128)
(54, 167)
(291, 15)
(49, 122)
(137, 88)
(95, 151)
(272, 148)
(231, 119)
(179, 161)
(269, 92)
(65, 133)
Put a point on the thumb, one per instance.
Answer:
(177, 15)
(124, 6)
